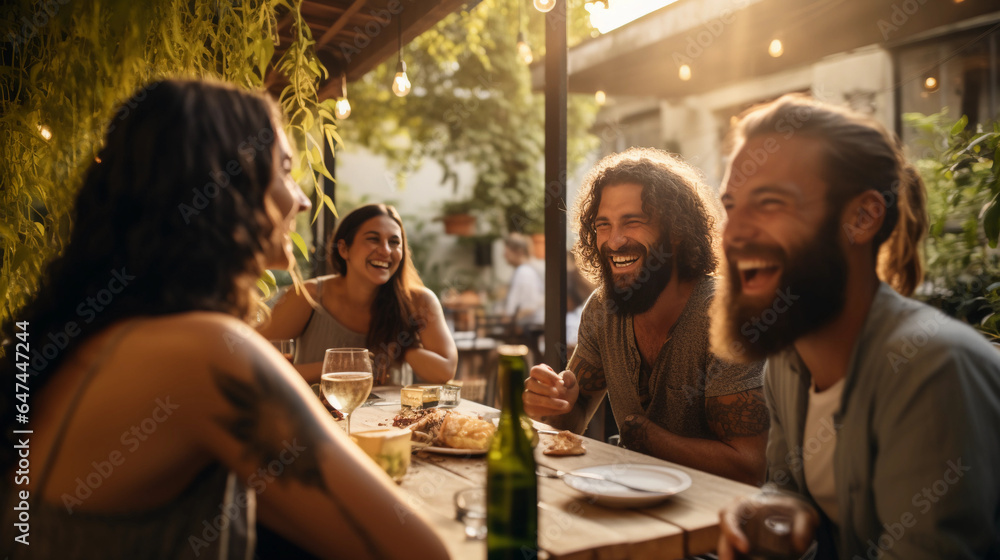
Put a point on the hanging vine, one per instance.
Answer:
(64, 67)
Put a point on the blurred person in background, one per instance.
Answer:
(524, 306)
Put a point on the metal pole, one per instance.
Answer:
(556, 85)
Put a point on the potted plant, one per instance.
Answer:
(459, 217)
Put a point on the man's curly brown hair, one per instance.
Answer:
(674, 195)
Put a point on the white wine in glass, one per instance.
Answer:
(346, 379)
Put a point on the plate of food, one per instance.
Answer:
(447, 432)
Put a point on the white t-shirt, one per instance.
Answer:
(819, 441)
(526, 296)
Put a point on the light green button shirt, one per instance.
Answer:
(917, 463)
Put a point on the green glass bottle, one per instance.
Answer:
(511, 483)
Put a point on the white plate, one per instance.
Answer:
(453, 451)
(606, 493)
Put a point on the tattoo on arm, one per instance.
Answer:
(634, 434)
(592, 384)
(738, 415)
(265, 424)
(591, 378)
(264, 420)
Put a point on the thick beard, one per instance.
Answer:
(811, 293)
(638, 292)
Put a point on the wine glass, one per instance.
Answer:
(346, 379)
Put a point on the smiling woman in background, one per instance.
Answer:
(375, 300)
(172, 354)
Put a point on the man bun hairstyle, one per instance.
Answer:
(860, 155)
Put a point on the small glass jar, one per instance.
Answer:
(450, 396)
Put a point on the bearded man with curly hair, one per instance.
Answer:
(647, 227)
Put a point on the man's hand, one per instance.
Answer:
(743, 525)
(547, 393)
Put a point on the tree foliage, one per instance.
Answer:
(962, 174)
(472, 102)
(66, 66)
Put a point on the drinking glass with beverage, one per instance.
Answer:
(286, 347)
(346, 379)
(773, 525)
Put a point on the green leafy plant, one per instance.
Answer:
(963, 188)
(454, 207)
(473, 102)
(66, 66)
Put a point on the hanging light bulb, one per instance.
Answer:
(45, 131)
(545, 5)
(600, 97)
(776, 49)
(342, 109)
(524, 49)
(401, 83)
(684, 72)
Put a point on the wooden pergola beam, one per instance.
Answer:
(310, 8)
(339, 24)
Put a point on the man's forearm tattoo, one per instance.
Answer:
(591, 378)
(739, 415)
(634, 433)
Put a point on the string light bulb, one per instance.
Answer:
(342, 109)
(401, 83)
(775, 49)
(45, 131)
(931, 84)
(545, 5)
(684, 72)
(600, 97)
(524, 49)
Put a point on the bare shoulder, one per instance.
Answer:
(291, 313)
(194, 337)
(201, 356)
(425, 298)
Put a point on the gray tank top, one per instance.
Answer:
(213, 518)
(324, 331)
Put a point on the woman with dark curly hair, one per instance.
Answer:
(162, 425)
(375, 300)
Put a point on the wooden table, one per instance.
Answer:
(569, 526)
